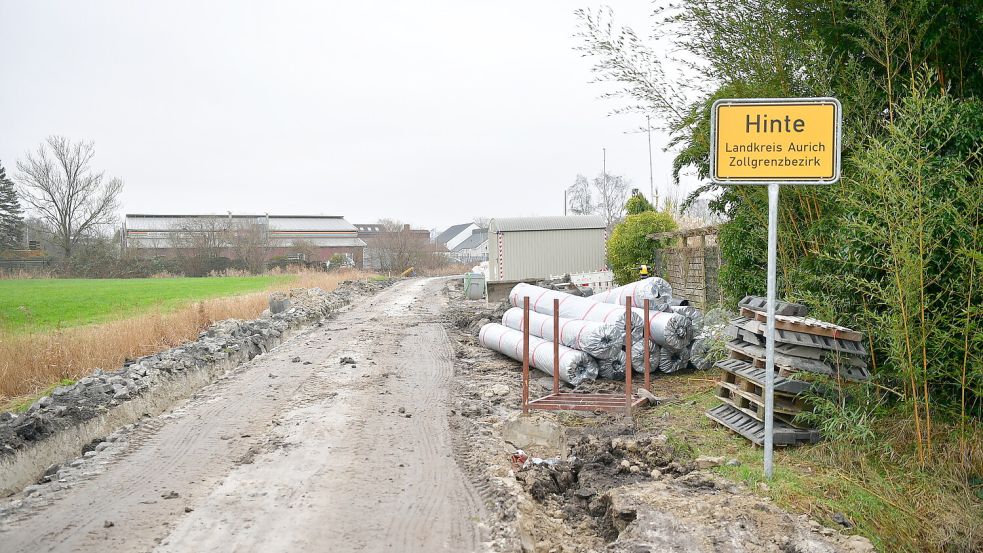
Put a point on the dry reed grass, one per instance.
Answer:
(446, 270)
(31, 363)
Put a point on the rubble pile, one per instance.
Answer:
(564, 283)
(228, 341)
(802, 345)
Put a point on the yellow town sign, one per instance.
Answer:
(784, 141)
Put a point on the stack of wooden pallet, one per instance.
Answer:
(802, 345)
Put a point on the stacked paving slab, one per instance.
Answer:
(802, 345)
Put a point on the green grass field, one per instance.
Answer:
(30, 305)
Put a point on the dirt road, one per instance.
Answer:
(297, 450)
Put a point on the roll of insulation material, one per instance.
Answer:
(667, 328)
(574, 307)
(612, 369)
(638, 357)
(672, 360)
(654, 289)
(575, 366)
(600, 340)
(695, 316)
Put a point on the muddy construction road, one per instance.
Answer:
(386, 427)
(337, 440)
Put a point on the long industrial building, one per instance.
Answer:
(309, 237)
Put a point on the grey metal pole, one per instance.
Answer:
(770, 330)
(648, 128)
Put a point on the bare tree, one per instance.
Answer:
(605, 196)
(197, 241)
(250, 243)
(398, 247)
(579, 198)
(611, 193)
(305, 250)
(59, 185)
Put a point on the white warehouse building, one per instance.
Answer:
(533, 248)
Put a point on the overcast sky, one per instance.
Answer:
(429, 112)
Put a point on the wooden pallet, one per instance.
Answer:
(747, 426)
(806, 325)
(757, 374)
(794, 338)
(760, 304)
(834, 358)
(790, 364)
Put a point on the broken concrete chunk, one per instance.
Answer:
(705, 462)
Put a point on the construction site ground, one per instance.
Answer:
(388, 428)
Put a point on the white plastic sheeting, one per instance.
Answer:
(601, 340)
(612, 369)
(638, 357)
(654, 289)
(693, 314)
(667, 328)
(575, 366)
(672, 360)
(703, 353)
(575, 307)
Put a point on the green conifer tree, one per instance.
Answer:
(11, 214)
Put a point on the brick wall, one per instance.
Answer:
(691, 266)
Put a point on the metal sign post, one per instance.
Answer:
(773, 189)
(774, 141)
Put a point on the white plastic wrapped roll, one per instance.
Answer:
(667, 328)
(655, 289)
(574, 307)
(575, 366)
(601, 340)
(672, 360)
(638, 357)
(612, 369)
(695, 316)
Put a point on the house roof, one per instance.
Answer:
(556, 222)
(477, 238)
(451, 232)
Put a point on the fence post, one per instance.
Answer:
(556, 346)
(525, 355)
(647, 333)
(628, 391)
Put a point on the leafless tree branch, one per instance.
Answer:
(56, 182)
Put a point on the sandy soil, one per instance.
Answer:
(338, 440)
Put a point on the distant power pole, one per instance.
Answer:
(648, 129)
(604, 164)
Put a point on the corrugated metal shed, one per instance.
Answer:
(521, 248)
(556, 222)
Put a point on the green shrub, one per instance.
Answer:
(637, 204)
(629, 245)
